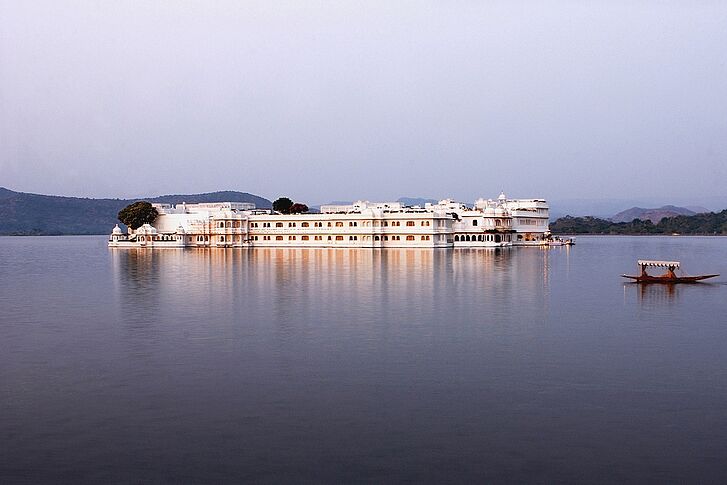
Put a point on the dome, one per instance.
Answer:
(146, 229)
(502, 197)
(117, 230)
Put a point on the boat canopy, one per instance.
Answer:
(661, 264)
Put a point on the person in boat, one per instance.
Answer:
(670, 273)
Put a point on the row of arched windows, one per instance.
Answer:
(481, 238)
(376, 223)
(166, 237)
(223, 224)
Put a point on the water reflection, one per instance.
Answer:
(657, 294)
(398, 365)
(293, 288)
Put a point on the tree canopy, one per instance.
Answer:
(283, 205)
(137, 214)
(297, 208)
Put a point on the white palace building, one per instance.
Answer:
(447, 224)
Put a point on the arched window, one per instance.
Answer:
(305, 224)
(409, 223)
(278, 238)
(456, 238)
(278, 224)
(409, 238)
(479, 238)
(376, 238)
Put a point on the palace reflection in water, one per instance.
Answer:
(295, 288)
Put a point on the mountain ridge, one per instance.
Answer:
(23, 213)
(654, 215)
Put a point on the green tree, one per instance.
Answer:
(283, 205)
(297, 208)
(137, 214)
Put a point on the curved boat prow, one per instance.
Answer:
(704, 277)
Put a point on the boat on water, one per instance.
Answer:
(669, 277)
(558, 241)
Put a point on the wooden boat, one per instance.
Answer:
(668, 277)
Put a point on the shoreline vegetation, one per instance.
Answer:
(707, 224)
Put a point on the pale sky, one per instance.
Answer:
(340, 100)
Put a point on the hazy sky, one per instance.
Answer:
(344, 100)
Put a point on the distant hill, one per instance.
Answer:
(697, 209)
(653, 215)
(5, 193)
(34, 214)
(711, 223)
(606, 208)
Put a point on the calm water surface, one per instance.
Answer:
(360, 366)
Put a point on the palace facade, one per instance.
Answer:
(487, 223)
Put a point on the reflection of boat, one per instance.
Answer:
(668, 277)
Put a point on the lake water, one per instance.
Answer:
(343, 365)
